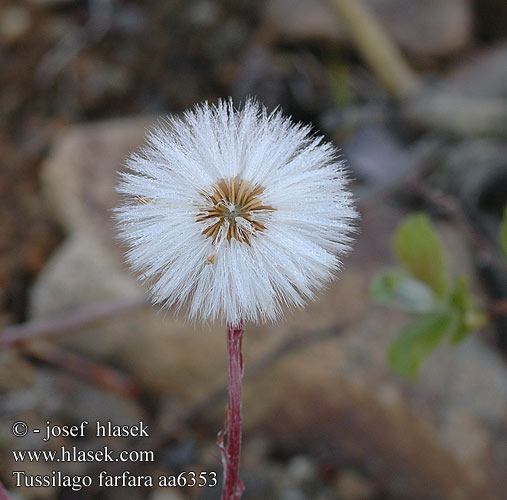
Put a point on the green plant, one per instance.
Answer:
(440, 308)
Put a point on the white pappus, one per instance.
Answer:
(235, 214)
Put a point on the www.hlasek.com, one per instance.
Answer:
(64, 454)
(73, 454)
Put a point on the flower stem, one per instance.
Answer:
(233, 485)
(3, 493)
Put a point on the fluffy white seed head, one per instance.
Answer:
(235, 214)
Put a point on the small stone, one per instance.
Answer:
(482, 75)
(166, 494)
(80, 174)
(292, 494)
(15, 371)
(422, 28)
(302, 470)
(85, 402)
(255, 451)
(427, 28)
(15, 22)
(203, 13)
(39, 398)
(260, 482)
(464, 435)
(377, 157)
(302, 20)
(351, 485)
(48, 3)
(101, 80)
(130, 20)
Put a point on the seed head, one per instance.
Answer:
(235, 213)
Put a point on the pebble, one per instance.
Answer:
(15, 21)
(424, 29)
(302, 470)
(350, 485)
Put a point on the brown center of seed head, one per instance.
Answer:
(233, 209)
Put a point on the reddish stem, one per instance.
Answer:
(3, 493)
(233, 485)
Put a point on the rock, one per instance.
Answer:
(484, 74)
(255, 451)
(293, 494)
(15, 22)
(155, 349)
(203, 13)
(82, 190)
(166, 494)
(470, 101)
(82, 401)
(302, 21)
(427, 28)
(129, 20)
(376, 157)
(335, 400)
(61, 399)
(302, 478)
(15, 371)
(424, 29)
(48, 3)
(455, 114)
(341, 121)
(302, 470)
(100, 81)
(353, 486)
(180, 455)
(261, 482)
(52, 396)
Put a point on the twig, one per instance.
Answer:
(377, 48)
(96, 373)
(71, 320)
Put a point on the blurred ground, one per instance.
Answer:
(325, 418)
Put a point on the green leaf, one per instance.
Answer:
(417, 341)
(503, 233)
(468, 317)
(418, 249)
(394, 287)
